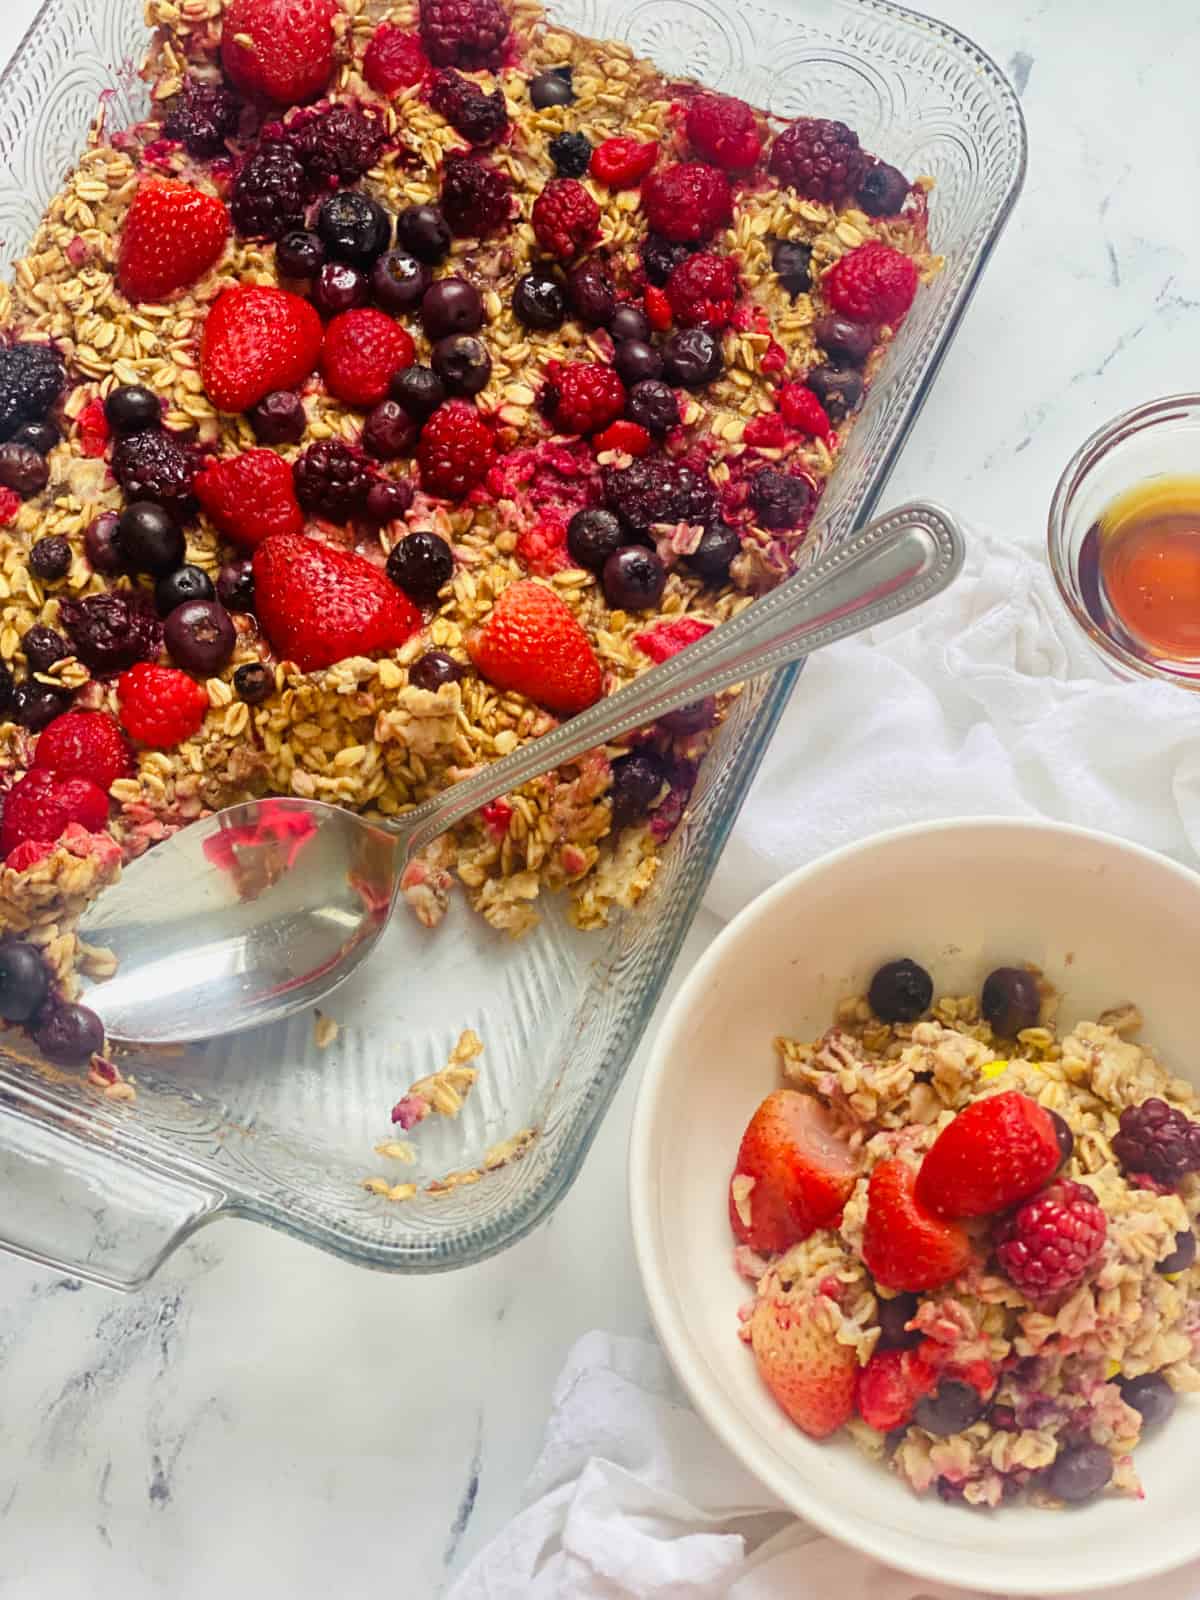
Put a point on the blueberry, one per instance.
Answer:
(892, 1315)
(451, 305)
(39, 436)
(420, 564)
(6, 686)
(22, 470)
(399, 280)
(201, 636)
(99, 543)
(1080, 1473)
(235, 585)
(791, 260)
(627, 322)
(637, 361)
(433, 669)
(254, 683)
(1180, 1259)
(50, 558)
(692, 357)
(148, 539)
(550, 89)
(354, 228)
(132, 409)
(69, 1035)
(279, 418)
(178, 587)
(851, 342)
(24, 981)
(652, 403)
(43, 647)
(637, 781)
(1010, 1000)
(419, 390)
(838, 389)
(35, 705)
(388, 432)
(952, 1407)
(900, 991)
(882, 190)
(1150, 1394)
(719, 543)
(633, 578)
(593, 535)
(388, 499)
(423, 232)
(1065, 1138)
(538, 302)
(462, 363)
(591, 293)
(300, 254)
(693, 718)
(340, 287)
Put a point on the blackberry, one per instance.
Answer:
(1158, 1141)
(660, 257)
(821, 160)
(42, 647)
(637, 782)
(482, 119)
(463, 33)
(155, 466)
(570, 153)
(332, 480)
(270, 194)
(112, 631)
(31, 380)
(476, 198)
(336, 144)
(654, 490)
(202, 117)
(778, 500)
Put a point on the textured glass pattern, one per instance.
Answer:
(269, 1127)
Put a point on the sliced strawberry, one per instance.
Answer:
(801, 1172)
(280, 49)
(257, 339)
(251, 496)
(533, 643)
(997, 1151)
(172, 235)
(41, 806)
(802, 1362)
(905, 1246)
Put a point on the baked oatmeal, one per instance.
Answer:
(973, 1240)
(411, 378)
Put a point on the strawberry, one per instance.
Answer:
(41, 806)
(280, 49)
(801, 1172)
(890, 1384)
(257, 340)
(251, 496)
(905, 1246)
(809, 1372)
(532, 643)
(84, 744)
(317, 604)
(997, 1151)
(172, 235)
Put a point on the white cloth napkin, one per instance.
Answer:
(987, 701)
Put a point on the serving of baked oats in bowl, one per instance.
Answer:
(377, 390)
(918, 1230)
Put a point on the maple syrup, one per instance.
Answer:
(1146, 555)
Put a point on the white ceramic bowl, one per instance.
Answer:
(1108, 922)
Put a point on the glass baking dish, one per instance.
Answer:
(271, 1127)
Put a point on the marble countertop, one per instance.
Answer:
(264, 1419)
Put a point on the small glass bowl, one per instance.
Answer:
(1158, 439)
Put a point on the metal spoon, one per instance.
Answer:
(262, 909)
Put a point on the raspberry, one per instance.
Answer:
(565, 218)
(202, 117)
(583, 396)
(657, 307)
(94, 431)
(363, 351)
(702, 289)
(803, 411)
(270, 194)
(456, 451)
(890, 1384)
(476, 198)
(332, 480)
(660, 257)
(394, 60)
(155, 466)
(1047, 1245)
(621, 163)
(629, 437)
(10, 505)
(667, 639)
(656, 490)
(112, 631)
(336, 144)
(873, 283)
(687, 203)
(482, 119)
(42, 806)
(160, 706)
(463, 33)
(31, 380)
(819, 159)
(84, 744)
(1158, 1141)
(251, 496)
(570, 153)
(766, 432)
(724, 132)
(542, 549)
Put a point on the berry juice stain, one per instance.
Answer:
(1141, 561)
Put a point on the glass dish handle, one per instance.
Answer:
(78, 1204)
(893, 564)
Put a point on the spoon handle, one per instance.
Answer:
(887, 568)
